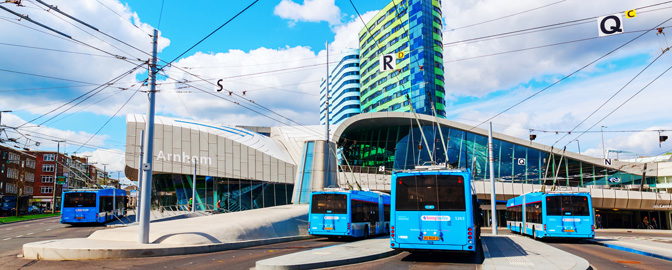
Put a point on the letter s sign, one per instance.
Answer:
(610, 25)
(219, 87)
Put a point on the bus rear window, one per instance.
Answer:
(430, 193)
(567, 206)
(79, 200)
(329, 204)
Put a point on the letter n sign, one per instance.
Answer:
(388, 62)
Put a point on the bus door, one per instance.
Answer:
(431, 210)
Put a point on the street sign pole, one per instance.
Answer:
(193, 187)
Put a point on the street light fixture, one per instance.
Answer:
(577, 144)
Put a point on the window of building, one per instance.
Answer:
(47, 179)
(49, 157)
(48, 168)
(46, 190)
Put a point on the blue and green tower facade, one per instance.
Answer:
(412, 31)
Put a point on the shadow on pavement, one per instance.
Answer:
(445, 257)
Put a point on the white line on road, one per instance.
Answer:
(29, 233)
(26, 226)
(48, 229)
(19, 236)
(6, 239)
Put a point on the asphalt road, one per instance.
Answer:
(601, 257)
(424, 260)
(14, 235)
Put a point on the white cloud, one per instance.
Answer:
(309, 11)
(347, 35)
(85, 64)
(482, 76)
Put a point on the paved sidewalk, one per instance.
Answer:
(520, 252)
(654, 246)
(350, 253)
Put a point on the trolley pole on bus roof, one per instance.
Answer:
(493, 201)
(143, 236)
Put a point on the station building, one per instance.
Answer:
(249, 170)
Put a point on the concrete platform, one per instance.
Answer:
(520, 252)
(350, 253)
(182, 236)
(500, 252)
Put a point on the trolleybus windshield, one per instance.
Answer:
(79, 200)
(329, 204)
(430, 193)
(567, 206)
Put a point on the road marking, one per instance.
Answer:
(19, 236)
(10, 229)
(6, 239)
(633, 262)
(48, 229)
(26, 226)
(29, 233)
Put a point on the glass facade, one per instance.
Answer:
(401, 147)
(173, 191)
(411, 29)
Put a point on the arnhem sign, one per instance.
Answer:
(184, 158)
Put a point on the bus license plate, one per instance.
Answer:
(328, 228)
(569, 230)
(432, 238)
(79, 217)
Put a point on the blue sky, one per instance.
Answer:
(290, 34)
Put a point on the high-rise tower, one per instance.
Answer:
(343, 89)
(413, 27)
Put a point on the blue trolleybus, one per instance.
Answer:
(348, 213)
(92, 205)
(434, 210)
(556, 215)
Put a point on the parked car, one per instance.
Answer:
(34, 209)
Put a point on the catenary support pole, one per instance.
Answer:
(326, 129)
(53, 198)
(138, 197)
(143, 236)
(493, 201)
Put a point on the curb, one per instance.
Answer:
(40, 253)
(632, 250)
(19, 221)
(261, 266)
(487, 263)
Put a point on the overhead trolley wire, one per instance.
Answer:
(610, 98)
(572, 74)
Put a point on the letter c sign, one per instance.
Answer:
(610, 25)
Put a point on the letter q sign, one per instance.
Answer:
(610, 25)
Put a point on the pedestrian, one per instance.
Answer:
(219, 204)
(191, 200)
(654, 223)
(599, 221)
(646, 222)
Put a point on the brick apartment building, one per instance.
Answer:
(17, 172)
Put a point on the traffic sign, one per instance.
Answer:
(388, 62)
(60, 182)
(60, 177)
(610, 25)
(381, 168)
